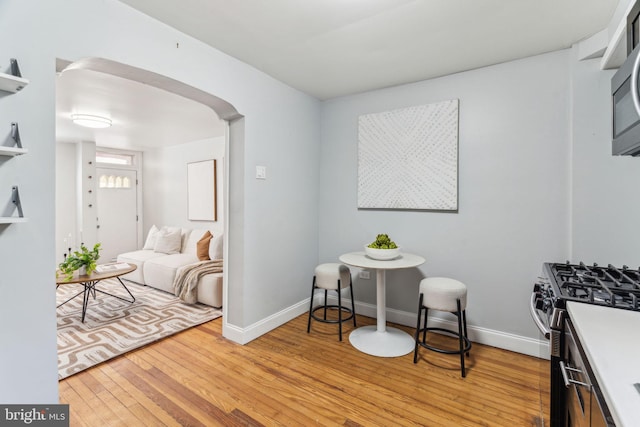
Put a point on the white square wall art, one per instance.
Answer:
(408, 158)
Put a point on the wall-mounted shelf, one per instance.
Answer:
(13, 82)
(11, 220)
(12, 151)
(9, 83)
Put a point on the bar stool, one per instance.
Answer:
(443, 294)
(332, 277)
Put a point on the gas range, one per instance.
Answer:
(572, 379)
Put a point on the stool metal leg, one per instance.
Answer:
(460, 337)
(313, 288)
(417, 337)
(424, 329)
(325, 304)
(353, 304)
(464, 324)
(339, 309)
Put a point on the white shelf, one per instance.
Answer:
(9, 83)
(12, 151)
(11, 219)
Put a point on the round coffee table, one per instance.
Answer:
(90, 282)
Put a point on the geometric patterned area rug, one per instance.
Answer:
(113, 327)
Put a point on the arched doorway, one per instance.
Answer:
(234, 141)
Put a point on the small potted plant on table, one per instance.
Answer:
(383, 248)
(84, 261)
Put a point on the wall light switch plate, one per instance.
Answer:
(364, 274)
(261, 172)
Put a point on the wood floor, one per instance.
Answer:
(291, 378)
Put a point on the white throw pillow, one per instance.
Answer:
(168, 242)
(215, 247)
(150, 243)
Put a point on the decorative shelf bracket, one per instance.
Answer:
(15, 134)
(16, 149)
(13, 205)
(15, 199)
(15, 69)
(11, 80)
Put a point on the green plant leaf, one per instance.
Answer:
(76, 260)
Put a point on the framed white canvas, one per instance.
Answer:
(408, 158)
(201, 191)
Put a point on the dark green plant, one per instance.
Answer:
(383, 242)
(83, 257)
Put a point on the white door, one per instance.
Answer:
(117, 212)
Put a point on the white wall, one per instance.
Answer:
(513, 189)
(605, 202)
(281, 131)
(28, 363)
(65, 200)
(165, 183)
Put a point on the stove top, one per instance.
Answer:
(593, 284)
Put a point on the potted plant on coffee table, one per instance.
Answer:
(84, 261)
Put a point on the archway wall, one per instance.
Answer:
(273, 223)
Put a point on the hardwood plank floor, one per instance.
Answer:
(290, 378)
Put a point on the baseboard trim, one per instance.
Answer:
(255, 330)
(504, 340)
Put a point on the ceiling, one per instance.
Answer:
(144, 117)
(326, 48)
(331, 48)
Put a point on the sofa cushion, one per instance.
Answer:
(191, 241)
(159, 272)
(203, 246)
(168, 242)
(151, 237)
(215, 247)
(186, 234)
(138, 258)
(210, 290)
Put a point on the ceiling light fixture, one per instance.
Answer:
(91, 121)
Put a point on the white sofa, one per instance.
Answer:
(158, 264)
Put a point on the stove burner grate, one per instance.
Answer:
(610, 286)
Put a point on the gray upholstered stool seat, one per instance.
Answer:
(332, 277)
(443, 294)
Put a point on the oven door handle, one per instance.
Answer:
(567, 380)
(536, 317)
(634, 84)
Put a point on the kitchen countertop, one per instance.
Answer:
(611, 339)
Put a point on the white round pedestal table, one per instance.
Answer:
(381, 340)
